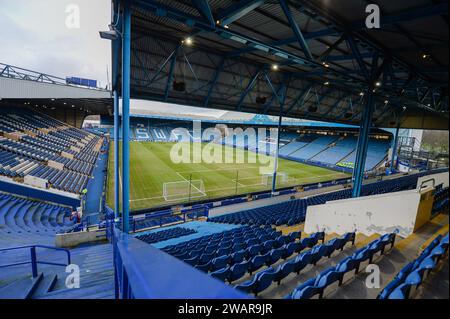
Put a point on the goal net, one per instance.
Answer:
(183, 190)
(267, 179)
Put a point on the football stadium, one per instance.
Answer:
(240, 149)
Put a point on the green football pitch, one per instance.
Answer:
(155, 180)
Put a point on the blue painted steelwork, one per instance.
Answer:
(33, 257)
(301, 96)
(214, 81)
(145, 272)
(281, 101)
(116, 154)
(116, 46)
(358, 56)
(126, 72)
(306, 36)
(170, 76)
(161, 67)
(275, 48)
(238, 10)
(272, 99)
(363, 143)
(296, 29)
(249, 87)
(394, 148)
(428, 10)
(335, 104)
(275, 165)
(205, 10)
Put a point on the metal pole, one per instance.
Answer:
(394, 148)
(274, 180)
(237, 178)
(363, 143)
(116, 155)
(190, 187)
(126, 69)
(281, 101)
(34, 270)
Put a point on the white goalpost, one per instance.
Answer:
(183, 190)
(282, 178)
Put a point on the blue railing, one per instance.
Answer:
(142, 271)
(33, 260)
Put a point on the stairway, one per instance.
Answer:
(96, 277)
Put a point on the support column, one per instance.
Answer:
(363, 143)
(394, 148)
(126, 54)
(281, 100)
(116, 155)
(274, 179)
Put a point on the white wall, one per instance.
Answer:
(378, 214)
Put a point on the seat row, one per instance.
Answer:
(264, 278)
(441, 200)
(294, 211)
(414, 273)
(20, 215)
(268, 258)
(270, 251)
(154, 222)
(159, 236)
(13, 165)
(43, 155)
(316, 286)
(221, 244)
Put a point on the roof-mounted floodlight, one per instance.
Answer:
(111, 34)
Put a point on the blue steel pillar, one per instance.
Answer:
(116, 154)
(115, 48)
(363, 143)
(126, 54)
(282, 100)
(394, 148)
(274, 179)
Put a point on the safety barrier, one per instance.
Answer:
(34, 262)
(144, 272)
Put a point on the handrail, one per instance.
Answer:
(426, 181)
(142, 271)
(34, 262)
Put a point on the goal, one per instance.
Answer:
(183, 190)
(267, 179)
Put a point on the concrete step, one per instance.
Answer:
(21, 289)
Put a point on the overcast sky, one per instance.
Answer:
(34, 36)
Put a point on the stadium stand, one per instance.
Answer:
(316, 146)
(264, 278)
(312, 148)
(293, 212)
(415, 272)
(307, 226)
(22, 216)
(377, 151)
(166, 234)
(336, 151)
(33, 144)
(318, 285)
(441, 200)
